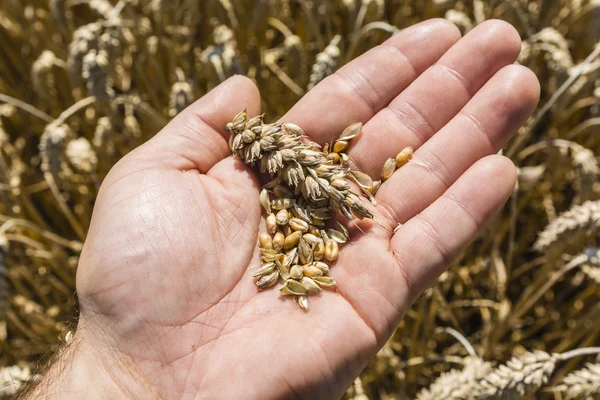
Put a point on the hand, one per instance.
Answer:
(168, 306)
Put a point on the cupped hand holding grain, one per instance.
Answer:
(167, 308)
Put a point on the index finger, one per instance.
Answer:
(357, 91)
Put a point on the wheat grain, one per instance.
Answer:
(182, 95)
(42, 77)
(81, 155)
(573, 221)
(309, 191)
(326, 62)
(551, 42)
(460, 19)
(458, 384)
(581, 384)
(479, 11)
(94, 72)
(52, 145)
(519, 377)
(85, 38)
(102, 140)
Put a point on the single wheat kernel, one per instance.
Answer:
(264, 201)
(284, 269)
(331, 250)
(335, 157)
(322, 266)
(265, 240)
(303, 302)
(325, 281)
(363, 180)
(268, 280)
(319, 250)
(373, 190)
(311, 239)
(388, 168)
(298, 225)
(338, 236)
(293, 287)
(344, 160)
(296, 272)
(265, 269)
(269, 255)
(292, 129)
(278, 241)
(340, 184)
(305, 252)
(283, 217)
(403, 157)
(311, 271)
(340, 146)
(314, 230)
(351, 132)
(248, 136)
(310, 285)
(271, 224)
(292, 240)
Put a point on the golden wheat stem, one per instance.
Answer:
(578, 352)
(64, 207)
(378, 25)
(521, 310)
(463, 340)
(16, 223)
(582, 127)
(74, 108)
(36, 112)
(280, 26)
(270, 61)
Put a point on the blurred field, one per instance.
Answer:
(84, 82)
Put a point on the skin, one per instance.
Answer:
(168, 308)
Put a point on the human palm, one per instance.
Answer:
(165, 282)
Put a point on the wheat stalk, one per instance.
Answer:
(458, 384)
(578, 219)
(581, 384)
(520, 376)
(523, 375)
(326, 62)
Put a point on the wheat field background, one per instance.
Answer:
(84, 82)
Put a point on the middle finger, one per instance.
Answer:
(434, 98)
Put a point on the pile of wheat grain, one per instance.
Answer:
(84, 82)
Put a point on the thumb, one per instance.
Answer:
(196, 138)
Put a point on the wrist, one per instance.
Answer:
(87, 368)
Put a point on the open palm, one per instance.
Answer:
(168, 306)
